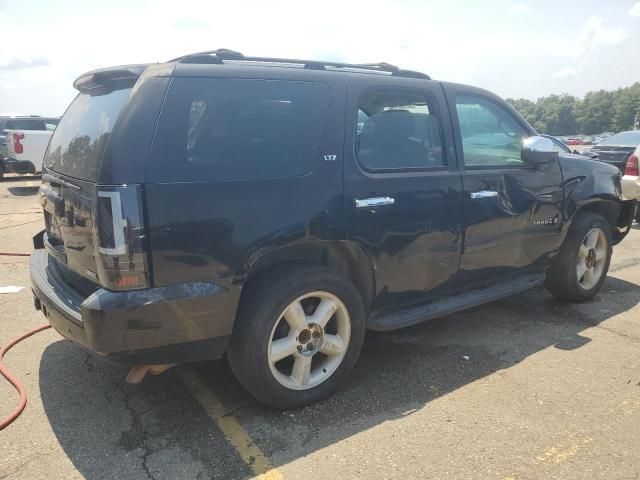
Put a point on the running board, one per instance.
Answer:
(439, 308)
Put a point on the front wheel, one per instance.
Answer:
(298, 335)
(579, 270)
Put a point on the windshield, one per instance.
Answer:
(79, 140)
(624, 139)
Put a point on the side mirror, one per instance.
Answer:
(538, 150)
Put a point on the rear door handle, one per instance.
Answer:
(484, 194)
(374, 202)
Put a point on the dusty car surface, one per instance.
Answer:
(274, 209)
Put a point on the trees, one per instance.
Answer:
(597, 112)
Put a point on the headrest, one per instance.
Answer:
(390, 126)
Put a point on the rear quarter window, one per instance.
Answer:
(235, 129)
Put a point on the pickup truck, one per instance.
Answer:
(23, 143)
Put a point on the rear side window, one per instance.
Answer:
(79, 140)
(398, 130)
(233, 129)
(25, 124)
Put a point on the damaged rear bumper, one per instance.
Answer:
(176, 324)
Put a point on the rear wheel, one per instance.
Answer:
(579, 270)
(298, 335)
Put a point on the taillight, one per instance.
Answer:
(120, 237)
(17, 146)
(632, 166)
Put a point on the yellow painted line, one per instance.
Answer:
(562, 451)
(237, 436)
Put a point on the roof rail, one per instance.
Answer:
(221, 55)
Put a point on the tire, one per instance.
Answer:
(637, 214)
(563, 279)
(261, 323)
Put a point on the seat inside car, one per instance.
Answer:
(388, 134)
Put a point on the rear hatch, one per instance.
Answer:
(95, 231)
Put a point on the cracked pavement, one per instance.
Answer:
(522, 388)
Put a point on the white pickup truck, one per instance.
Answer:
(23, 148)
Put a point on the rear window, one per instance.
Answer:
(625, 139)
(233, 129)
(79, 140)
(25, 124)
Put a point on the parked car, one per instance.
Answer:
(222, 204)
(616, 149)
(19, 154)
(631, 179)
(561, 147)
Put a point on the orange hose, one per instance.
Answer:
(6, 421)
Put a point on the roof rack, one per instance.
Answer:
(223, 55)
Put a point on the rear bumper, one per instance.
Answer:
(181, 323)
(631, 187)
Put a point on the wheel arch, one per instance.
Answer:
(619, 214)
(609, 209)
(342, 256)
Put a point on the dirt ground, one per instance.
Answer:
(522, 388)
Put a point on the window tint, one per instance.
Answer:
(490, 135)
(78, 142)
(231, 129)
(25, 124)
(398, 130)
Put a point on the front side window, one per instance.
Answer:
(398, 130)
(236, 129)
(490, 135)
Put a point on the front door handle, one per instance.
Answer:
(374, 202)
(484, 194)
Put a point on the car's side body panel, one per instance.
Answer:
(512, 214)
(414, 242)
(225, 231)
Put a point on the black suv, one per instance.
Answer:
(274, 209)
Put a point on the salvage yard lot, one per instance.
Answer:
(526, 387)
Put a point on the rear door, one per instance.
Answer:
(512, 210)
(403, 192)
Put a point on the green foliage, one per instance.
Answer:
(597, 112)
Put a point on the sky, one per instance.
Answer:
(515, 48)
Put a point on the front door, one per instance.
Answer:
(402, 189)
(512, 210)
